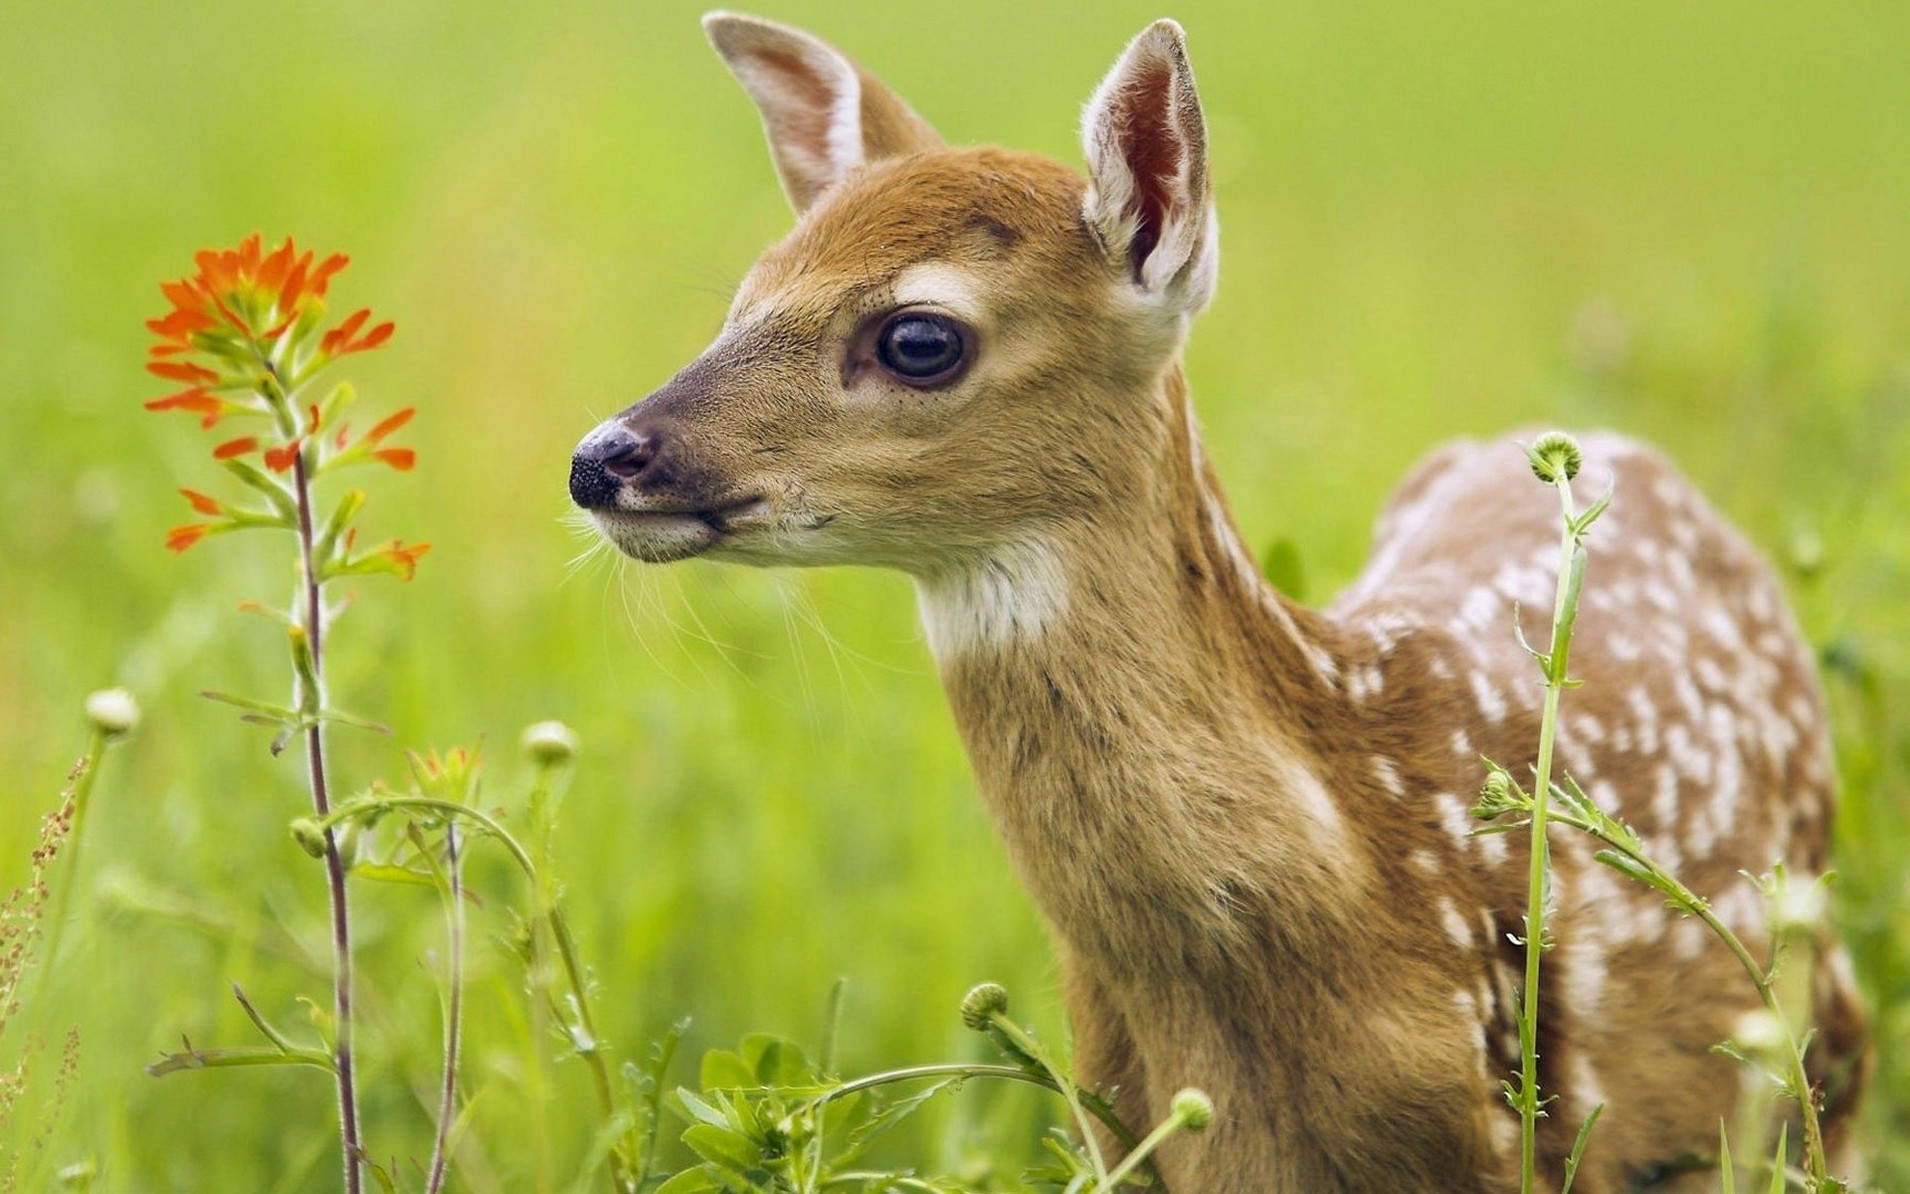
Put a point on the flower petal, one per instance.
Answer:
(293, 292)
(273, 269)
(322, 276)
(339, 336)
(180, 538)
(236, 447)
(181, 371)
(203, 503)
(390, 424)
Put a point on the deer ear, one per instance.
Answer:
(822, 114)
(1146, 146)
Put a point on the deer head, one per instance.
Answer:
(954, 349)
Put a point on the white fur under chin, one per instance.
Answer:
(1010, 595)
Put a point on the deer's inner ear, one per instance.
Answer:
(823, 115)
(1146, 145)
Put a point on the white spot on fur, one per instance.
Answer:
(1387, 773)
(1462, 744)
(1012, 594)
(1585, 973)
(1456, 819)
(1365, 682)
(1455, 925)
(1492, 703)
(1582, 1084)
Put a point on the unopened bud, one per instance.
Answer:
(1555, 457)
(309, 835)
(112, 711)
(1194, 1109)
(549, 743)
(982, 1004)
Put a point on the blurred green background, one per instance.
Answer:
(1690, 222)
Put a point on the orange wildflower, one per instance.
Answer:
(237, 447)
(202, 502)
(180, 538)
(246, 288)
(399, 458)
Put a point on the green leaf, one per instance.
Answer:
(777, 1062)
(1578, 1148)
(278, 714)
(237, 1055)
(1727, 1169)
(384, 872)
(1777, 1165)
(695, 1108)
(723, 1147)
(889, 1115)
(725, 1070)
(691, 1181)
(354, 721)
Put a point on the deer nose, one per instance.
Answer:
(607, 457)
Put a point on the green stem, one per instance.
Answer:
(454, 1010)
(1555, 670)
(1027, 1046)
(953, 1069)
(82, 788)
(584, 1038)
(1815, 1162)
(1141, 1152)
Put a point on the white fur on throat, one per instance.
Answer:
(1012, 594)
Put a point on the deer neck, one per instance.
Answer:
(1141, 711)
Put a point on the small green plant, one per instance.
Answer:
(1555, 460)
(768, 1120)
(32, 917)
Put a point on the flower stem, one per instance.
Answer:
(580, 1025)
(454, 1009)
(312, 618)
(1531, 1106)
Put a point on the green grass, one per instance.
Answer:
(1686, 222)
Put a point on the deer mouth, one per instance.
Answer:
(660, 534)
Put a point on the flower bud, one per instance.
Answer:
(549, 743)
(1194, 1109)
(309, 835)
(112, 711)
(1555, 457)
(982, 1004)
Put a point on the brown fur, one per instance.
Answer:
(1246, 820)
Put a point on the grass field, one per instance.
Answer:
(1687, 222)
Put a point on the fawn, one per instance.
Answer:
(1247, 821)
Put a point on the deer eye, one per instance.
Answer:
(920, 347)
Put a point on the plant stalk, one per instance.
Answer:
(454, 1009)
(1530, 1105)
(313, 619)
